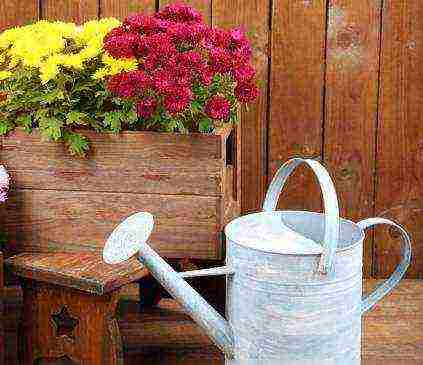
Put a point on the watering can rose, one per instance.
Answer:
(187, 70)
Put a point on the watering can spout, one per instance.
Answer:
(131, 236)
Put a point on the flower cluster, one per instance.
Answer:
(52, 78)
(186, 70)
(4, 184)
(48, 46)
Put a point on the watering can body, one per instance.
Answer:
(287, 304)
(283, 311)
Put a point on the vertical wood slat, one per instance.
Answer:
(399, 189)
(254, 18)
(203, 6)
(77, 11)
(122, 8)
(352, 60)
(296, 95)
(16, 12)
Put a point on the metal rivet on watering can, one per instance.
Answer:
(294, 280)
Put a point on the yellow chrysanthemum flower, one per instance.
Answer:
(5, 75)
(93, 30)
(114, 66)
(72, 60)
(47, 46)
(50, 68)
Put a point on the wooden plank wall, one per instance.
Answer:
(341, 80)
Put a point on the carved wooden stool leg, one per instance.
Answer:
(61, 322)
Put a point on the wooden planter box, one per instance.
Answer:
(190, 183)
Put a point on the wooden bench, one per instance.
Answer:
(69, 306)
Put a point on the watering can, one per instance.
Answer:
(294, 280)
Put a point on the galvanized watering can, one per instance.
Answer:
(294, 280)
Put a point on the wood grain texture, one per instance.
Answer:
(93, 337)
(203, 6)
(83, 271)
(77, 11)
(190, 183)
(254, 18)
(17, 12)
(296, 95)
(351, 106)
(156, 163)
(392, 331)
(399, 189)
(60, 221)
(122, 8)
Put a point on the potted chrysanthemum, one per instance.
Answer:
(152, 102)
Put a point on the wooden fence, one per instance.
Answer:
(342, 80)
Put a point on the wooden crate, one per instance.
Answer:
(190, 183)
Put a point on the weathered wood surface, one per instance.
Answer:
(352, 66)
(399, 173)
(60, 322)
(392, 331)
(122, 8)
(151, 163)
(60, 221)
(77, 11)
(83, 271)
(296, 97)
(304, 81)
(190, 183)
(13, 13)
(254, 19)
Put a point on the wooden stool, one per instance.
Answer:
(69, 304)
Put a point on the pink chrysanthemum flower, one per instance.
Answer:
(146, 107)
(180, 13)
(221, 60)
(218, 107)
(146, 24)
(244, 73)
(177, 99)
(179, 58)
(129, 84)
(121, 45)
(246, 92)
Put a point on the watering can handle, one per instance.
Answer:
(330, 201)
(383, 289)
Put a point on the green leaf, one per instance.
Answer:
(25, 121)
(52, 96)
(77, 144)
(6, 126)
(205, 125)
(78, 118)
(113, 120)
(196, 106)
(131, 117)
(50, 128)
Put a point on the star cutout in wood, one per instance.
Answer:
(64, 323)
